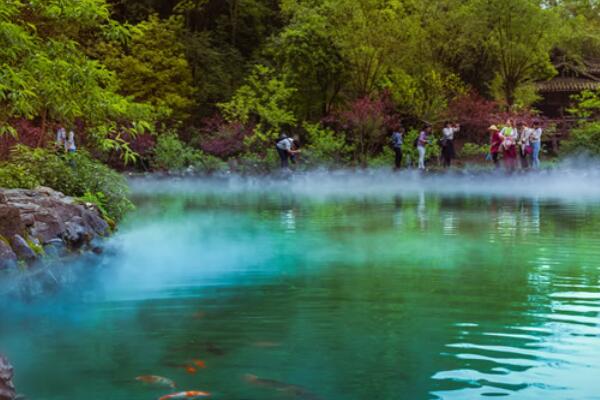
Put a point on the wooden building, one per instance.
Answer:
(571, 79)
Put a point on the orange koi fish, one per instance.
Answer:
(156, 380)
(190, 370)
(185, 395)
(199, 363)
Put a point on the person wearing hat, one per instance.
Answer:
(495, 144)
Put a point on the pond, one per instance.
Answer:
(349, 286)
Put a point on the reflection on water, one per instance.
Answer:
(411, 296)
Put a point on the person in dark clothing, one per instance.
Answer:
(448, 143)
(397, 141)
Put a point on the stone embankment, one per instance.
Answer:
(44, 224)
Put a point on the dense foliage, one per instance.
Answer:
(585, 138)
(77, 175)
(177, 82)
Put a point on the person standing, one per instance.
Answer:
(509, 130)
(397, 141)
(523, 134)
(536, 144)
(509, 145)
(447, 143)
(70, 142)
(61, 139)
(421, 144)
(495, 144)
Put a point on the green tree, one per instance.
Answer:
(519, 35)
(46, 74)
(263, 101)
(152, 66)
(311, 62)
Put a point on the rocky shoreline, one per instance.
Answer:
(42, 224)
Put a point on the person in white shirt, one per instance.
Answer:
(70, 143)
(447, 143)
(536, 144)
(284, 146)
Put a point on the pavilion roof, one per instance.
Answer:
(566, 84)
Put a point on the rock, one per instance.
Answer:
(49, 217)
(8, 258)
(55, 248)
(7, 388)
(10, 221)
(22, 249)
(77, 233)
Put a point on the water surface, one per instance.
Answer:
(365, 287)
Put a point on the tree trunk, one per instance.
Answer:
(40, 142)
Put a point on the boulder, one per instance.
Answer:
(8, 258)
(43, 215)
(7, 388)
(22, 249)
(10, 221)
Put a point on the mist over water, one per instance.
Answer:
(351, 285)
(569, 182)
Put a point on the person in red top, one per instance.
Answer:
(495, 143)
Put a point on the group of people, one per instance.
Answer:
(65, 141)
(514, 142)
(446, 142)
(518, 144)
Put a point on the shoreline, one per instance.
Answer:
(42, 227)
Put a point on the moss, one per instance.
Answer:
(37, 249)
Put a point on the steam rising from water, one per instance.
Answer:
(569, 182)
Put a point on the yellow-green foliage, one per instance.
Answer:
(47, 75)
(152, 67)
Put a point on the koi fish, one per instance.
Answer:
(156, 380)
(199, 363)
(193, 394)
(190, 370)
(292, 390)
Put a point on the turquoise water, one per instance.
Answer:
(348, 292)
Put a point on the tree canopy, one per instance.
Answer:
(116, 69)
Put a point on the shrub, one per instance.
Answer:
(15, 176)
(223, 139)
(584, 139)
(384, 159)
(474, 150)
(326, 147)
(72, 174)
(172, 154)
